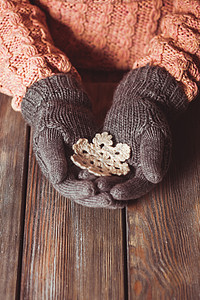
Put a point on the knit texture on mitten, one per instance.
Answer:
(144, 103)
(59, 111)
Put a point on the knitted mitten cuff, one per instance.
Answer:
(156, 84)
(57, 88)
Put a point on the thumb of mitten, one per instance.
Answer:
(152, 151)
(50, 152)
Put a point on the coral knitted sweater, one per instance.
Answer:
(46, 37)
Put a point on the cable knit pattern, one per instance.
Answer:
(100, 34)
(177, 50)
(154, 18)
(111, 34)
(27, 53)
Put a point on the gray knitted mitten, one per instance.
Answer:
(59, 111)
(144, 102)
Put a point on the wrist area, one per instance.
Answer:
(59, 89)
(159, 86)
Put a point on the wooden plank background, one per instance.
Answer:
(13, 150)
(148, 251)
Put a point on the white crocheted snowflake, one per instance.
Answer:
(100, 157)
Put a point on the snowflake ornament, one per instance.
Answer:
(100, 157)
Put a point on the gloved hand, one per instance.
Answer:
(59, 111)
(144, 103)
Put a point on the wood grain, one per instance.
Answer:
(163, 227)
(13, 145)
(70, 252)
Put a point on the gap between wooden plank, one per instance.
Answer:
(23, 206)
(125, 243)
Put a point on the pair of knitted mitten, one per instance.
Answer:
(59, 111)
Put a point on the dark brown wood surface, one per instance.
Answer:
(13, 146)
(163, 227)
(149, 251)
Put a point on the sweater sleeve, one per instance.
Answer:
(177, 47)
(27, 52)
